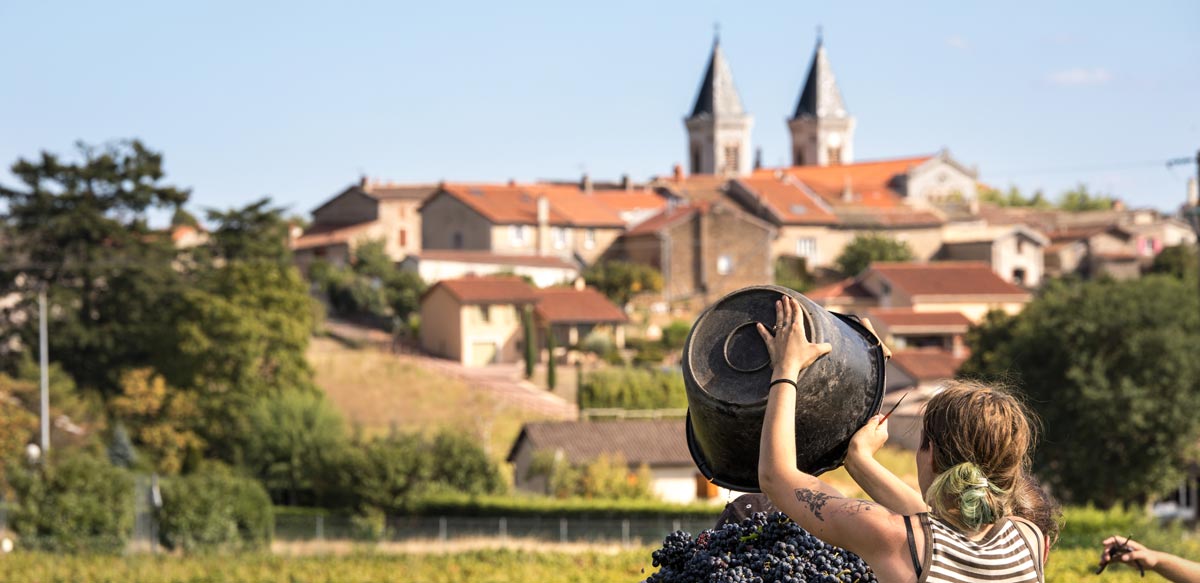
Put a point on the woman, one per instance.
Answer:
(971, 466)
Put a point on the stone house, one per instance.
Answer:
(661, 445)
(970, 288)
(703, 250)
(519, 219)
(364, 211)
(573, 313)
(1093, 252)
(1015, 252)
(476, 320)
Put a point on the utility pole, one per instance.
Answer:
(44, 358)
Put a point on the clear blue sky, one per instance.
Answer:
(296, 99)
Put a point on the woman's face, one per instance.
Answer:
(925, 468)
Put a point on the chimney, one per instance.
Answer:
(512, 181)
(1193, 194)
(1118, 205)
(957, 348)
(847, 191)
(758, 158)
(625, 183)
(678, 171)
(585, 184)
(362, 181)
(543, 225)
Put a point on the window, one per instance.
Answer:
(457, 240)
(695, 159)
(798, 157)
(834, 155)
(806, 247)
(403, 238)
(724, 265)
(485, 313)
(732, 157)
(559, 235)
(589, 238)
(517, 234)
(1018, 276)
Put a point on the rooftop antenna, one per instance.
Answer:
(716, 33)
(820, 35)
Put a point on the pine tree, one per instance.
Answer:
(530, 349)
(551, 372)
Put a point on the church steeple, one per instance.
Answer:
(822, 130)
(718, 127)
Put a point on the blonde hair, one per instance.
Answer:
(980, 438)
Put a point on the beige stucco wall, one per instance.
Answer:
(975, 311)
(574, 240)
(829, 245)
(441, 329)
(678, 484)
(432, 271)
(396, 216)
(443, 216)
(936, 180)
(502, 329)
(1018, 251)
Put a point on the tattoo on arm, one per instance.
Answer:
(857, 506)
(815, 500)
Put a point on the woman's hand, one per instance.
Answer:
(1147, 557)
(887, 352)
(869, 438)
(790, 350)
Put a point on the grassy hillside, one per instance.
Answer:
(378, 392)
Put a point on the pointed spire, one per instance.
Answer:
(821, 97)
(717, 96)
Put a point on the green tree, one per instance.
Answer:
(792, 272)
(530, 342)
(79, 229)
(1177, 260)
(75, 503)
(1110, 367)
(255, 232)
(296, 434)
(1080, 199)
(161, 418)
(867, 248)
(551, 365)
(620, 280)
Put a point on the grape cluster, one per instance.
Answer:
(763, 548)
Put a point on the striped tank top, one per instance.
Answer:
(1004, 555)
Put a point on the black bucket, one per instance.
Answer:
(727, 372)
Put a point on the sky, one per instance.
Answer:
(296, 100)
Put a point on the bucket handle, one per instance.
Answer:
(729, 339)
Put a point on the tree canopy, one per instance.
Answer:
(621, 280)
(868, 248)
(1110, 368)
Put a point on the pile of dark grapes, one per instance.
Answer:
(763, 548)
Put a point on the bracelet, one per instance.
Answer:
(788, 381)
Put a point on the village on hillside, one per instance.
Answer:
(507, 263)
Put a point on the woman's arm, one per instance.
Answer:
(1176, 569)
(877, 481)
(863, 527)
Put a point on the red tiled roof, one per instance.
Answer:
(697, 187)
(946, 278)
(869, 182)
(517, 204)
(488, 290)
(322, 235)
(565, 305)
(630, 200)
(494, 258)
(848, 288)
(927, 364)
(788, 201)
(661, 442)
(900, 319)
(664, 219)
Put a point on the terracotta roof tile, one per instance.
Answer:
(788, 200)
(946, 278)
(697, 187)
(905, 319)
(565, 305)
(927, 364)
(651, 442)
(517, 204)
(664, 219)
(323, 235)
(848, 288)
(488, 290)
(871, 183)
(630, 200)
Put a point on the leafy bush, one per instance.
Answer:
(605, 477)
(76, 503)
(293, 436)
(675, 334)
(869, 248)
(394, 471)
(620, 280)
(213, 509)
(792, 272)
(371, 286)
(457, 504)
(632, 388)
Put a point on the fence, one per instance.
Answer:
(627, 531)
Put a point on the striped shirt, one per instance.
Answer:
(1004, 555)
